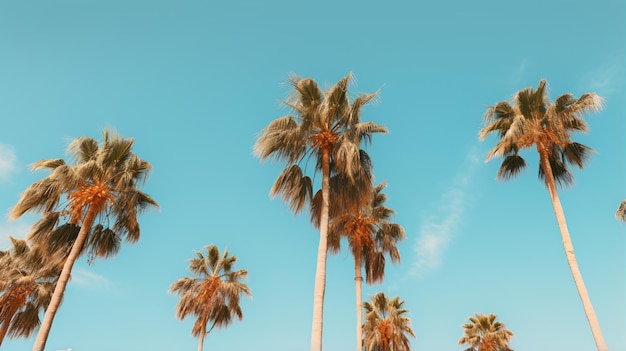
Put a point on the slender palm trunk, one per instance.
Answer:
(201, 341)
(358, 281)
(59, 290)
(320, 271)
(571, 257)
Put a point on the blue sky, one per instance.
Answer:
(195, 81)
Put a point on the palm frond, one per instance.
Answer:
(511, 166)
(294, 188)
(576, 154)
(620, 214)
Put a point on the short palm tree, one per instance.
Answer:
(212, 296)
(621, 211)
(532, 120)
(386, 327)
(370, 235)
(485, 334)
(326, 126)
(90, 205)
(27, 280)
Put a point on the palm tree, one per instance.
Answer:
(386, 326)
(370, 235)
(90, 205)
(327, 127)
(485, 334)
(621, 211)
(530, 120)
(27, 280)
(213, 294)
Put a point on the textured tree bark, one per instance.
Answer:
(571, 257)
(320, 271)
(358, 281)
(59, 290)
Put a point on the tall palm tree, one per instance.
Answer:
(370, 235)
(89, 205)
(485, 334)
(621, 211)
(531, 119)
(27, 279)
(325, 125)
(213, 294)
(386, 327)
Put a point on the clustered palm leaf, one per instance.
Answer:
(386, 327)
(483, 333)
(212, 295)
(532, 120)
(27, 279)
(325, 126)
(90, 205)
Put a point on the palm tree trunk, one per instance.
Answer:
(201, 341)
(59, 290)
(571, 257)
(358, 281)
(320, 271)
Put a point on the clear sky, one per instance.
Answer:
(195, 81)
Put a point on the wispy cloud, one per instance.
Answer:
(519, 71)
(605, 80)
(8, 163)
(438, 226)
(86, 278)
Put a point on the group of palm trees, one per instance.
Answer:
(91, 205)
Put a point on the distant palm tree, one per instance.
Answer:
(27, 279)
(530, 120)
(327, 127)
(485, 334)
(386, 327)
(370, 235)
(621, 211)
(99, 188)
(212, 296)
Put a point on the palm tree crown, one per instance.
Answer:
(27, 279)
(327, 127)
(485, 334)
(212, 295)
(99, 187)
(533, 120)
(386, 326)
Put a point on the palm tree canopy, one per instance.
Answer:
(213, 293)
(386, 326)
(483, 333)
(103, 177)
(322, 121)
(531, 119)
(369, 231)
(27, 279)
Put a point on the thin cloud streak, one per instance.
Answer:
(86, 278)
(437, 230)
(8, 163)
(605, 80)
